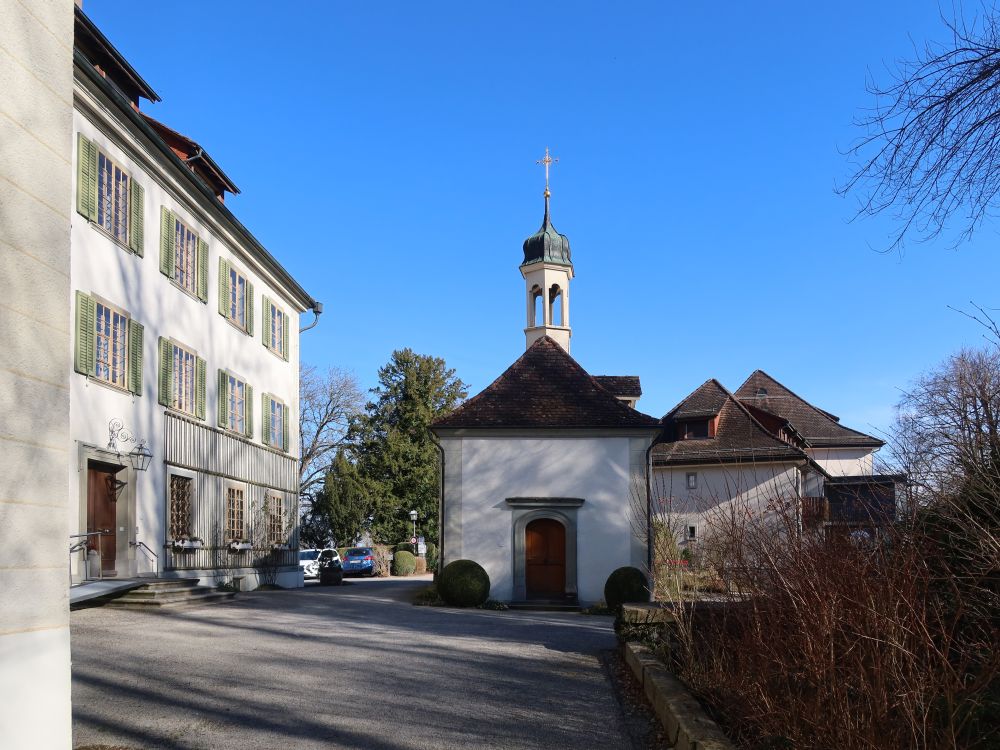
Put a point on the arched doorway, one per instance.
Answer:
(545, 559)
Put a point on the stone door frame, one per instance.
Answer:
(528, 509)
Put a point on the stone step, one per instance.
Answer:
(532, 605)
(161, 583)
(174, 601)
(161, 593)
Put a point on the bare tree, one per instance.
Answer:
(932, 146)
(328, 401)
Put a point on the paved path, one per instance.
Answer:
(354, 666)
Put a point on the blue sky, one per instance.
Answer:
(386, 153)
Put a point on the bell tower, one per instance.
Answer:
(547, 270)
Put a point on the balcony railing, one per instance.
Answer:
(854, 511)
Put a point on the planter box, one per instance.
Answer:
(185, 546)
(280, 547)
(240, 546)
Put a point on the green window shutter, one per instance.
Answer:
(248, 406)
(168, 234)
(86, 177)
(85, 361)
(136, 200)
(265, 320)
(285, 343)
(284, 428)
(166, 384)
(223, 288)
(249, 309)
(135, 337)
(223, 398)
(202, 270)
(199, 388)
(265, 419)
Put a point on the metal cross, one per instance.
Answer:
(546, 161)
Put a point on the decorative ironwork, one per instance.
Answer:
(180, 507)
(118, 435)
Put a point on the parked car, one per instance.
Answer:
(310, 560)
(359, 561)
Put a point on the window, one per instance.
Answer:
(692, 480)
(108, 344)
(235, 515)
(112, 198)
(112, 335)
(276, 417)
(108, 196)
(235, 403)
(183, 255)
(692, 533)
(182, 379)
(275, 334)
(181, 489)
(275, 519)
(694, 429)
(235, 297)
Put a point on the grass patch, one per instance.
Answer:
(428, 597)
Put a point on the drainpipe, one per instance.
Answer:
(440, 564)
(649, 517)
(317, 310)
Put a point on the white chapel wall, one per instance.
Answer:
(595, 469)
(36, 42)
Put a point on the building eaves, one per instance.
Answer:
(197, 152)
(97, 36)
(268, 261)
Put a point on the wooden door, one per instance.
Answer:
(545, 559)
(101, 516)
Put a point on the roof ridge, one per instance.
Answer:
(822, 412)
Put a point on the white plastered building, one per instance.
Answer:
(185, 334)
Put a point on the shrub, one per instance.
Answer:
(432, 556)
(383, 560)
(421, 566)
(403, 563)
(464, 583)
(625, 585)
(405, 547)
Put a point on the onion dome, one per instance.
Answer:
(547, 245)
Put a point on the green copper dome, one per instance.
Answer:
(547, 245)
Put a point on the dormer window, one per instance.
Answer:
(762, 393)
(693, 429)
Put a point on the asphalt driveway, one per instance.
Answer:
(354, 666)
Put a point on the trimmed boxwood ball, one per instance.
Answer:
(625, 585)
(405, 547)
(464, 583)
(403, 563)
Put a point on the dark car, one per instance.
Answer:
(359, 561)
(331, 571)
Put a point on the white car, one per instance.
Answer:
(309, 560)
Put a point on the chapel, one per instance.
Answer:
(545, 472)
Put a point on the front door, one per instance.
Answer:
(545, 559)
(101, 515)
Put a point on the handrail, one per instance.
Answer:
(82, 545)
(149, 549)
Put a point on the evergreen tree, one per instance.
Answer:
(340, 510)
(394, 448)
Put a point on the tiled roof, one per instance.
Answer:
(621, 385)
(739, 436)
(546, 387)
(819, 428)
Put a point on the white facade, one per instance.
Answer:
(844, 462)
(181, 443)
(36, 66)
(697, 499)
(493, 482)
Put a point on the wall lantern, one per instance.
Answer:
(139, 457)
